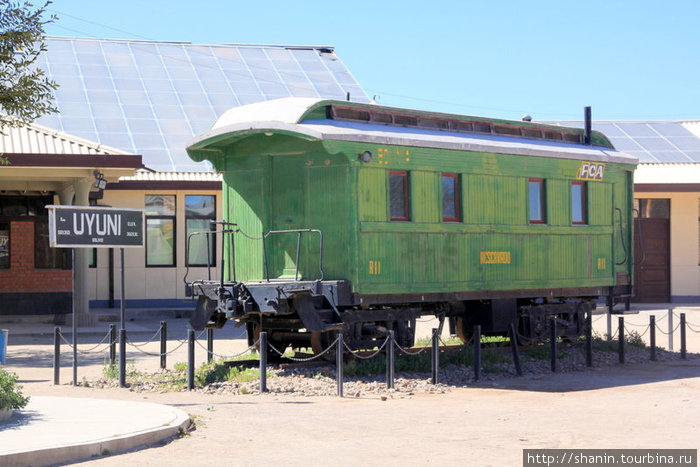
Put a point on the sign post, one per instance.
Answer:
(97, 227)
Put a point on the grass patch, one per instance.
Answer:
(218, 371)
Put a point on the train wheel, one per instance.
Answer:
(465, 329)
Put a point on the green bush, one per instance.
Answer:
(10, 392)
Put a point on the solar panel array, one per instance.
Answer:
(650, 141)
(151, 98)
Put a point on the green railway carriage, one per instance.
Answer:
(363, 218)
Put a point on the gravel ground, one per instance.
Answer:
(320, 380)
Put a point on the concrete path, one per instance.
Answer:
(53, 430)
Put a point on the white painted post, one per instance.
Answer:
(670, 329)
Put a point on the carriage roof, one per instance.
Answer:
(317, 119)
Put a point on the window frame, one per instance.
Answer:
(212, 238)
(543, 201)
(584, 202)
(406, 197)
(457, 197)
(6, 250)
(170, 217)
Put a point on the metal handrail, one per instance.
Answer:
(298, 232)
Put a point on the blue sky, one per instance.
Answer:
(628, 60)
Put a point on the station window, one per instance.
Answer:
(398, 195)
(160, 230)
(4, 245)
(537, 201)
(450, 198)
(200, 210)
(578, 203)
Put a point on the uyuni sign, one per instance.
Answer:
(90, 227)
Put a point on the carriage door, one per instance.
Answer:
(652, 271)
(288, 213)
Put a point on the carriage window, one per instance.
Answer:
(450, 198)
(160, 230)
(398, 195)
(578, 202)
(537, 201)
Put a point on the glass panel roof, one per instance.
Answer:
(649, 141)
(152, 97)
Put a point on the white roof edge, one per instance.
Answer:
(222, 44)
(285, 110)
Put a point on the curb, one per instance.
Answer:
(99, 447)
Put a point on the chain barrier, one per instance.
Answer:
(408, 352)
(667, 333)
(634, 324)
(148, 341)
(686, 319)
(374, 354)
(70, 345)
(309, 359)
(692, 329)
(598, 318)
(223, 357)
(629, 332)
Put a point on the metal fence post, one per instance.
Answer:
(652, 337)
(608, 336)
(122, 358)
(390, 361)
(190, 359)
(210, 342)
(263, 361)
(621, 338)
(477, 352)
(670, 329)
(514, 348)
(435, 357)
(112, 344)
(683, 350)
(589, 339)
(553, 343)
(56, 354)
(163, 344)
(339, 363)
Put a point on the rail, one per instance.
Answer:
(296, 262)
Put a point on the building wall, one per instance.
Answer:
(685, 272)
(148, 286)
(26, 290)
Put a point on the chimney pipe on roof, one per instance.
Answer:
(587, 126)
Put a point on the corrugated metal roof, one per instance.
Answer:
(146, 176)
(150, 98)
(37, 139)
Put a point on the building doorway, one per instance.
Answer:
(652, 249)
